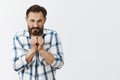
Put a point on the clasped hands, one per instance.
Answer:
(36, 43)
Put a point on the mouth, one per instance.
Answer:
(35, 30)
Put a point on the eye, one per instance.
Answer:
(40, 20)
(31, 20)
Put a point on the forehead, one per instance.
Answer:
(35, 15)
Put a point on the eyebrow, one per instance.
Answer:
(40, 20)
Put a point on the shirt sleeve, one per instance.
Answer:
(19, 62)
(57, 51)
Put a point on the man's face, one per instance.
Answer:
(35, 21)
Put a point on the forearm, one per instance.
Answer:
(52, 57)
(22, 62)
(30, 55)
(48, 57)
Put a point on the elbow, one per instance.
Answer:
(57, 64)
(60, 65)
(17, 68)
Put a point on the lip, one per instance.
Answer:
(35, 29)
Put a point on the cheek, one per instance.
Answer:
(30, 25)
(41, 24)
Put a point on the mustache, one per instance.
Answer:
(35, 28)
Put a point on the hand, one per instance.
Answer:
(40, 42)
(33, 42)
(33, 49)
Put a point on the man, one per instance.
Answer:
(37, 51)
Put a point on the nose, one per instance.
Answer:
(35, 24)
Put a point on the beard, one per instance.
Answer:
(35, 31)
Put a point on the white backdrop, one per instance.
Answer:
(89, 31)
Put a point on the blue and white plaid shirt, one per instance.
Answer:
(37, 69)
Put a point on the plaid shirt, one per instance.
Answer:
(37, 69)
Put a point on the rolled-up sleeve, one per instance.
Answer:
(57, 51)
(19, 62)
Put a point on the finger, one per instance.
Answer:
(40, 38)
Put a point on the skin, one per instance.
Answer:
(36, 19)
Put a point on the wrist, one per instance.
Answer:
(42, 50)
(32, 50)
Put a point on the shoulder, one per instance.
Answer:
(22, 33)
(53, 34)
(50, 31)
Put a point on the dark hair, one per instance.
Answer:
(36, 8)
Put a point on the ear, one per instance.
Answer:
(45, 20)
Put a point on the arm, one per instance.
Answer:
(54, 56)
(57, 51)
(30, 55)
(19, 55)
(48, 57)
(23, 58)
(32, 51)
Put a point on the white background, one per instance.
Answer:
(89, 31)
